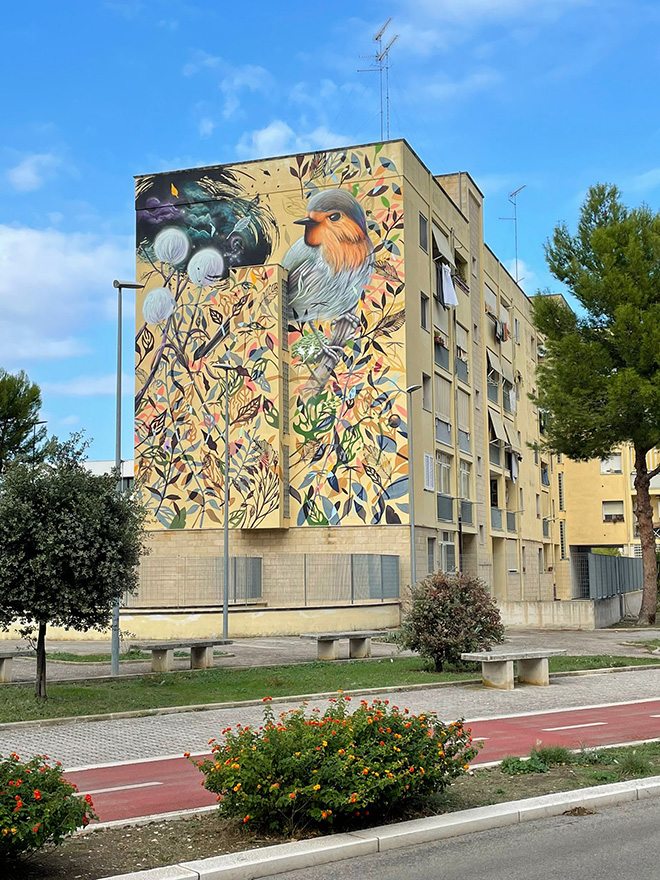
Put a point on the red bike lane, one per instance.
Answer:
(162, 785)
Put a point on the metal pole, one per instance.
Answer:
(225, 582)
(114, 645)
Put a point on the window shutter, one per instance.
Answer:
(429, 473)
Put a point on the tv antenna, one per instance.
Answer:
(513, 198)
(382, 59)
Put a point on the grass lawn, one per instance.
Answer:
(17, 703)
(121, 850)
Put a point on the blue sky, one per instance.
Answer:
(553, 94)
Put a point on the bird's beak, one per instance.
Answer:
(306, 221)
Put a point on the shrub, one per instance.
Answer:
(37, 806)
(514, 766)
(449, 615)
(553, 755)
(333, 768)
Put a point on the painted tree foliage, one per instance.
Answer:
(599, 382)
(327, 411)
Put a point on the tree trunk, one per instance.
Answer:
(645, 527)
(40, 690)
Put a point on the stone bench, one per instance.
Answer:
(162, 653)
(359, 643)
(7, 663)
(497, 667)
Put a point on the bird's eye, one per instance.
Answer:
(334, 217)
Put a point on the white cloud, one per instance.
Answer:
(206, 127)
(89, 386)
(32, 172)
(234, 81)
(471, 11)
(201, 61)
(645, 182)
(279, 138)
(52, 285)
(445, 89)
(527, 277)
(492, 184)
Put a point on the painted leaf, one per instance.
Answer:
(397, 489)
(330, 511)
(179, 521)
(386, 443)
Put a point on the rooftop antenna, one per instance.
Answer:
(513, 198)
(382, 59)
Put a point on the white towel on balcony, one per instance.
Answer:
(448, 289)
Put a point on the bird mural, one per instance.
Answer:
(329, 267)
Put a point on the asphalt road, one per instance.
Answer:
(613, 843)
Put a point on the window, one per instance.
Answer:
(461, 353)
(443, 397)
(612, 511)
(463, 418)
(559, 458)
(441, 318)
(545, 475)
(424, 233)
(465, 479)
(447, 552)
(562, 538)
(490, 298)
(429, 475)
(425, 309)
(522, 501)
(430, 554)
(611, 465)
(494, 493)
(532, 349)
(560, 488)
(443, 473)
(426, 392)
(493, 386)
(538, 507)
(286, 497)
(511, 554)
(516, 331)
(508, 396)
(536, 456)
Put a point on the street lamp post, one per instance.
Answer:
(411, 483)
(119, 286)
(224, 365)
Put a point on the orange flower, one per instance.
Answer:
(292, 795)
(186, 754)
(247, 818)
(316, 787)
(365, 772)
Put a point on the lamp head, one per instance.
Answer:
(412, 388)
(127, 285)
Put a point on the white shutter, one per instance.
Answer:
(463, 410)
(429, 473)
(442, 396)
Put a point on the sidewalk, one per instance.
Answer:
(273, 651)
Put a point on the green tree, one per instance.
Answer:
(20, 434)
(599, 382)
(70, 545)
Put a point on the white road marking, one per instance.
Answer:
(566, 709)
(120, 788)
(155, 759)
(654, 716)
(480, 738)
(575, 726)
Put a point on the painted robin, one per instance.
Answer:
(329, 267)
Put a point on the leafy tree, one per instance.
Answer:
(70, 544)
(599, 383)
(450, 614)
(20, 402)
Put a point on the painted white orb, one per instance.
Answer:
(158, 305)
(171, 245)
(206, 267)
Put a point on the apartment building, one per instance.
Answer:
(332, 283)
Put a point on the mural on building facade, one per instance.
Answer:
(335, 332)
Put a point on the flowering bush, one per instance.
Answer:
(333, 767)
(451, 615)
(37, 806)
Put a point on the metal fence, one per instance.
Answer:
(598, 577)
(278, 580)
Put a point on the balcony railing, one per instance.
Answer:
(493, 392)
(441, 355)
(494, 453)
(461, 369)
(510, 521)
(463, 440)
(445, 507)
(466, 512)
(442, 431)
(496, 518)
(546, 528)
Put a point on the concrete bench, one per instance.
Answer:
(7, 663)
(162, 653)
(359, 643)
(497, 667)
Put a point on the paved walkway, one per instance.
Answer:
(272, 651)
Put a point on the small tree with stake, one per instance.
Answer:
(70, 545)
(599, 383)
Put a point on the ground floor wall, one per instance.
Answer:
(585, 614)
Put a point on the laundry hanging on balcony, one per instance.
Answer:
(448, 290)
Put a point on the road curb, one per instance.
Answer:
(293, 698)
(252, 864)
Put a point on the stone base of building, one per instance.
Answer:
(252, 622)
(587, 614)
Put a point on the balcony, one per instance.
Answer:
(461, 368)
(493, 391)
(496, 518)
(546, 528)
(494, 452)
(442, 431)
(445, 507)
(441, 355)
(463, 440)
(466, 513)
(510, 521)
